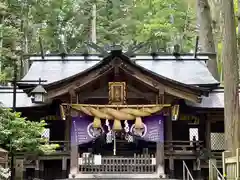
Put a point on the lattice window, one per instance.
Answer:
(46, 133)
(217, 141)
(193, 132)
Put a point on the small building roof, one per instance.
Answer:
(22, 99)
(184, 69)
(3, 150)
(214, 100)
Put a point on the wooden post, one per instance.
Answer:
(237, 164)
(212, 170)
(223, 164)
(169, 138)
(160, 159)
(74, 170)
(19, 169)
(197, 168)
(37, 169)
(67, 133)
(41, 169)
(64, 167)
(208, 134)
(74, 166)
(160, 145)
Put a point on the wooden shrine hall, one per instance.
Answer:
(134, 116)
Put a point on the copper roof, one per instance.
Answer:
(184, 69)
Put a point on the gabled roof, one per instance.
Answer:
(185, 69)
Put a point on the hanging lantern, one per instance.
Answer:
(97, 122)
(117, 125)
(38, 94)
(138, 123)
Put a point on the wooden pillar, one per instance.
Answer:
(64, 167)
(74, 166)
(212, 170)
(36, 172)
(160, 167)
(67, 133)
(208, 134)
(197, 168)
(197, 163)
(74, 170)
(169, 138)
(19, 169)
(160, 159)
(41, 169)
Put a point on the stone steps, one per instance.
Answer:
(114, 178)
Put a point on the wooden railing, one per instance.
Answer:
(231, 164)
(218, 157)
(182, 147)
(63, 145)
(186, 173)
(133, 165)
(214, 173)
(169, 146)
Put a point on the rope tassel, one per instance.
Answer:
(117, 125)
(97, 122)
(138, 123)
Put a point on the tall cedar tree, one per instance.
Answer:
(231, 77)
(206, 34)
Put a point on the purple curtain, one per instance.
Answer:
(83, 132)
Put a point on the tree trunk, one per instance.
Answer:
(93, 26)
(1, 40)
(231, 77)
(238, 36)
(206, 35)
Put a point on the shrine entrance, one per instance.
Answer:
(126, 140)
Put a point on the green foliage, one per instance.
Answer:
(4, 173)
(20, 135)
(127, 22)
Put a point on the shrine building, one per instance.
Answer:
(139, 115)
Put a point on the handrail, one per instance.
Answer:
(219, 175)
(186, 170)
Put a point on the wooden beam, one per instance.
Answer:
(123, 106)
(145, 95)
(89, 78)
(154, 85)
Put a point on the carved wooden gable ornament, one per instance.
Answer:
(117, 92)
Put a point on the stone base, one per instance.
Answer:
(115, 176)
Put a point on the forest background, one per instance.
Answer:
(67, 24)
